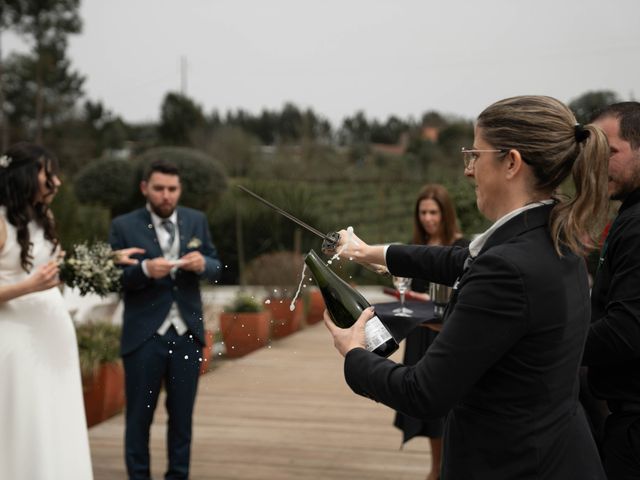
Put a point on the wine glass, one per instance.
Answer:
(402, 285)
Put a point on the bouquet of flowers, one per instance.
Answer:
(91, 269)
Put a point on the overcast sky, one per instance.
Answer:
(384, 57)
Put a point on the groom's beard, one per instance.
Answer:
(164, 210)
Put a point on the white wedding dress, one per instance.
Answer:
(43, 431)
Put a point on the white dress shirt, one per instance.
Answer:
(170, 252)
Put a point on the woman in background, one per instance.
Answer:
(434, 223)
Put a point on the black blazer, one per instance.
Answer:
(146, 300)
(613, 345)
(506, 361)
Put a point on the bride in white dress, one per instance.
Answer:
(44, 433)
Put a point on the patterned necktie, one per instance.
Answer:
(171, 230)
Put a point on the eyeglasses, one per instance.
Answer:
(470, 156)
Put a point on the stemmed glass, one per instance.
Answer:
(402, 285)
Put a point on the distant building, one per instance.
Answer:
(395, 150)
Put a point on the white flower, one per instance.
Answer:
(194, 243)
(91, 269)
(5, 161)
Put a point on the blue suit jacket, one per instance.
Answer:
(146, 300)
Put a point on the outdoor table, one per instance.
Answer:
(400, 326)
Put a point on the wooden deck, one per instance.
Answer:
(280, 413)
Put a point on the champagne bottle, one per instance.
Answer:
(345, 304)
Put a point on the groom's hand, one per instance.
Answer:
(158, 267)
(193, 262)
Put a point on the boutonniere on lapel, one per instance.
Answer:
(194, 243)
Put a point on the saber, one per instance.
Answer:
(329, 240)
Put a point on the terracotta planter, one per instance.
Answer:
(284, 321)
(244, 332)
(207, 352)
(315, 307)
(104, 393)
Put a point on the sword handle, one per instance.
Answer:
(331, 241)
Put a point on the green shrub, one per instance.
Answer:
(98, 343)
(243, 303)
(75, 222)
(107, 182)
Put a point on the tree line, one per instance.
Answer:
(42, 99)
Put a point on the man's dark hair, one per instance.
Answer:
(629, 115)
(160, 166)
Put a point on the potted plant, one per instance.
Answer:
(101, 368)
(207, 351)
(244, 325)
(314, 304)
(280, 273)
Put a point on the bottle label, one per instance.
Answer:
(375, 333)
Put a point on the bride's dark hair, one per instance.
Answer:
(19, 168)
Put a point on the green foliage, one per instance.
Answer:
(180, 117)
(243, 303)
(107, 182)
(76, 222)
(454, 136)
(380, 212)
(244, 228)
(41, 87)
(355, 130)
(464, 199)
(389, 132)
(290, 125)
(44, 99)
(203, 179)
(589, 103)
(47, 22)
(98, 343)
(433, 119)
(234, 148)
(108, 131)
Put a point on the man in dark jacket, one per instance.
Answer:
(162, 331)
(612, 351)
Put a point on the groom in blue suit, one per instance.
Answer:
(163, 332)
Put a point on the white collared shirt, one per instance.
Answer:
(478, 242)
(170, 252)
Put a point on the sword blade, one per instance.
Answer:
(285, 213)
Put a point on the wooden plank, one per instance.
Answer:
(283, 412)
